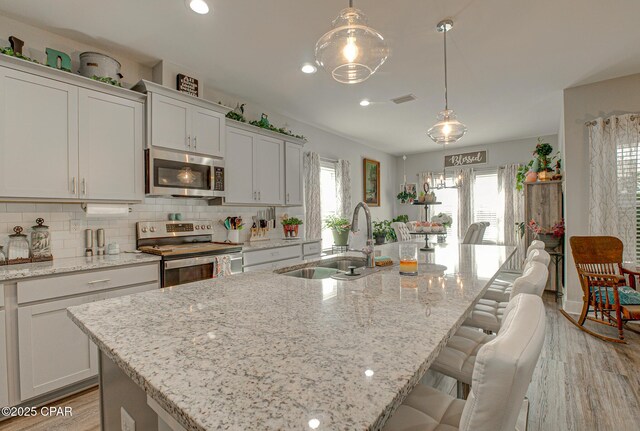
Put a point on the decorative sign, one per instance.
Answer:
(465, 159)
(187, 84)
(16, 44)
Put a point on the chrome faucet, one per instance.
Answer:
(368, 249)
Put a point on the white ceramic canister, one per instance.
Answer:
(96, 64)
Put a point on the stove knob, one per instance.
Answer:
(152, 229)
(144, 229)
(208, 226)
(197, 227)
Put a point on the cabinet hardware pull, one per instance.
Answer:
(255, 196)
(189, 139)
(259, 196)
(84, 186)
(195, 142)
(73, 185)
(104, 280)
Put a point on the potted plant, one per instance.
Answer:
(421, 197)
(551, 236)
(380, 231)
(290, 226)
(339, 228)
(430, 198)
(405, 196)
(542, 152)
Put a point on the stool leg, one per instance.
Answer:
(463, 390)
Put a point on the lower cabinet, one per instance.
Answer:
(53, 351)
(4, 386)
(278, 257)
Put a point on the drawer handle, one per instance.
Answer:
(104, 280)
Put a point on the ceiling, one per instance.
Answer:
(509, 60)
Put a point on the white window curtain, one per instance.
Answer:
(613, 159)
(511, 205)
(343, 187)
(465, 200)
(313, 214)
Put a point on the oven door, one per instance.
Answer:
(175, 173)
(181, 271)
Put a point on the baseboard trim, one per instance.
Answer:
(572, 307)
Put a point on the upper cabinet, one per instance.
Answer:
(261, 169)
(181, 122)
(293, 174)
(66, 137)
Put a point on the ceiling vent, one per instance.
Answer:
(404, 99)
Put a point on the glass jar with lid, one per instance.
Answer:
(40, 241)
(18, 245)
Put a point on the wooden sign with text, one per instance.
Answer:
(465, 159)
(187, 84)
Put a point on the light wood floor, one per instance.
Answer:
(581, 384)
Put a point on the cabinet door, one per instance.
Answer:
(111, 133)
(293, 174)
(4, 387)
(240, 166)
(270, 171)
(38, 136)
(170, 123)
(53, 351)
(207, 132)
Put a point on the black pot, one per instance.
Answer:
(380, 239)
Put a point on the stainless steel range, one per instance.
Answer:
(188, 253)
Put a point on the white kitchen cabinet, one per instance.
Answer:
(293, 174)
(4, 386)
(208, 132)
(111, 136)
(254, 169)
(38, 136)
(170, 122)
(53, 351)
(240, 167)
(270, 171)
(182, 122)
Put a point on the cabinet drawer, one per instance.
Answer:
(85, 282)
(271, 255)
(311, 248)
(273, 265)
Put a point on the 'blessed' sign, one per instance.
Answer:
(464, 159)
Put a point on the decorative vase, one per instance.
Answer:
(340, 238)
(531, 177)
(550, 241)
(545, 175)
(421, 198)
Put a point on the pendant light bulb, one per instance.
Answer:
(351, 51)
(448, 129)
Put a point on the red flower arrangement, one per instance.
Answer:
(557, 230)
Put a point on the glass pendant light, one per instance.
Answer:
(448, 129)
(351, 51)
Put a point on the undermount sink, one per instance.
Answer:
(338, 269)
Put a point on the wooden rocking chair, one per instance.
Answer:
(609, 288)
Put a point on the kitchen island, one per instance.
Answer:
(268, 351)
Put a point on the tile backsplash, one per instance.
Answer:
(67, 222)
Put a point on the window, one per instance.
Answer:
(486, 202)
(629, 178)
(328, 199)
(449, 199)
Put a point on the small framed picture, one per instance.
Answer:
(371, 182)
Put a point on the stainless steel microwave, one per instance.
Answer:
(180, 174)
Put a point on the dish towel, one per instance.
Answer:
(223, 266)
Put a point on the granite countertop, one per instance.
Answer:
(266, 351)
(275, 242)
(72, 264)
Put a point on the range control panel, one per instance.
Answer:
(164, 229)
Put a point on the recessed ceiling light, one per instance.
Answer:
(308, 68)
(365, 102)
(198, 6)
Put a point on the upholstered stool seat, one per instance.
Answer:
(487, 314)
(498, 292)
(459, 355)
(427, 409)
(500, 289)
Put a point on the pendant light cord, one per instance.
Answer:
(350, 3)
(446, 96)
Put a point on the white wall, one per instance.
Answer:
(122, 230)
(581, 104)
(498, 154)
